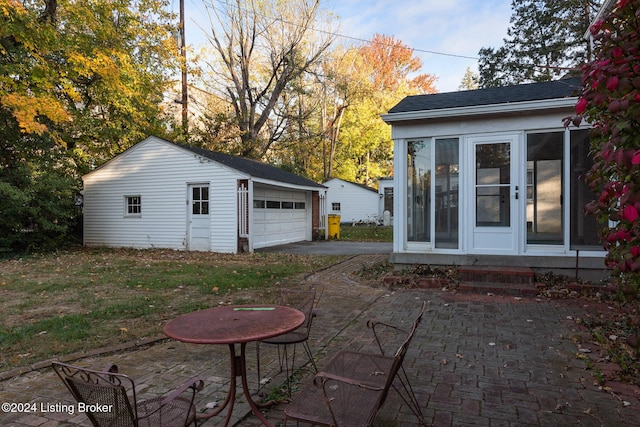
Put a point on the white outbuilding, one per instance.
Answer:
(353, 202)
(159, 194)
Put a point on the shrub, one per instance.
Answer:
(610, 101)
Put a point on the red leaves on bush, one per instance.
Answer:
(622, 3)
(612, 83)
(629, 213)
(581, 105)
(611, 103)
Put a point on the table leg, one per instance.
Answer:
(238, 368)
(245, 386)
(231, 395)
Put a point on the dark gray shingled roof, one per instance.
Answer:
(496, 95)
(253, 167)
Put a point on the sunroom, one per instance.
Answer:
(491, 177)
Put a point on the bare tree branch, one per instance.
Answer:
(262, 48)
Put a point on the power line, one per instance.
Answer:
(339, 35)
(432, 52)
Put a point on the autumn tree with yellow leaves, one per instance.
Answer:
(80, 81)
(387, 71)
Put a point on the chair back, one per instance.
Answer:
(109, 397)
(398, 357)
(302, 300)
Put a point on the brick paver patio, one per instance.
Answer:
(476, 360)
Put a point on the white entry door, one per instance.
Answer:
(199, 223)
(494, 194)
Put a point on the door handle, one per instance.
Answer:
(516, 192)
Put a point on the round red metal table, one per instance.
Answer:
(233, 325)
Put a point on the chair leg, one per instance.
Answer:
(284, 363)
(310, 355)
(288, 373)
(281, 357)
(410, 399)
(307, 350)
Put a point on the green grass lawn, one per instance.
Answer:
(366, 233)
(86, 298)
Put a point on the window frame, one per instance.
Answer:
(132, 206)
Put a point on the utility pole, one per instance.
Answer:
(183, 54)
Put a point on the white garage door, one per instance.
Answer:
(279, 217)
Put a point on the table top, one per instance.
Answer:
(234, 324)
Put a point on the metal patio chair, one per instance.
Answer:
(305, 301)
(113, 396)
(353, 386)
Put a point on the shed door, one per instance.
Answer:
(494, 195)
(199, 232)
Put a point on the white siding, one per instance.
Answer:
(159, 173)
(475, 125)
(356, 203)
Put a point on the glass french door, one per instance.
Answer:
(432, 193)
(494, 205)
(545, 191)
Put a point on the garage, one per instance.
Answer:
(279, 216)
(159, 194)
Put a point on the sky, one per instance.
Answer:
(438, 30)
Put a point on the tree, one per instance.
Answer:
(120, 62)
(610, 101)
(387, 72)
(37, 193)
(79, 82)
(86, 71)
(262, 49)
(28, 79)
(314, 106)
(213, 126)
(469, 80)
(345, 81)
(545, 41)
(391, 64)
